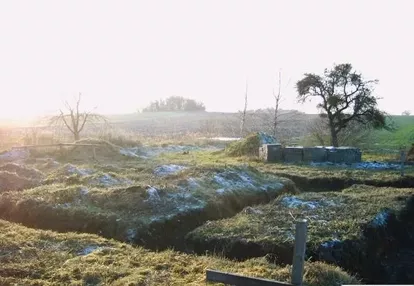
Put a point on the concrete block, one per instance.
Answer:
(271, 153)
(293, 154)
(314, 154)
(347, 155)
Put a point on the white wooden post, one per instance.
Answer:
(299, 252)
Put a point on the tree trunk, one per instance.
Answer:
(334, 136)
(275, 122)
(76, 136)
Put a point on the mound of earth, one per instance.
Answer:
(155, 215)
(13, 182)
(71, 174)
(36, 257)
(15, 177)
(249, 146)
(353, 229)
(336, 178)
(46, 164)
(22, 171)
(104, 150)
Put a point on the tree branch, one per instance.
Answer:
(64, 121)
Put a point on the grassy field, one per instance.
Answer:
(403, 136)
(175, 127)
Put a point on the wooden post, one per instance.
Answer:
(402, 163)
(299, 252)
(94, 152)
(61, 149)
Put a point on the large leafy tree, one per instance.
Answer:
(345, 98)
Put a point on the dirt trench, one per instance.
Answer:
(338, 184)
(388, 251)
(382, 255)
(160, 234)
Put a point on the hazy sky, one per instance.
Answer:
(123, 54)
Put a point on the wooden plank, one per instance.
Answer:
(299, 252)
(234, 279)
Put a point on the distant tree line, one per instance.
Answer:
(175, 103)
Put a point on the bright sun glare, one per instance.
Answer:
(123, 55)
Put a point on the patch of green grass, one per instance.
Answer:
(35, 257)
(403, 136)
(331, 215)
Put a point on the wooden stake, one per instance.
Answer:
(299, 252)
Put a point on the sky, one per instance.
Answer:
(121, 55)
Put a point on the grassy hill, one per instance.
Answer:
(403, 136)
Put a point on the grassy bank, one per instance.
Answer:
(140, 201)
(35, 257)
(331, 215)
(363, 229)
(307, 177)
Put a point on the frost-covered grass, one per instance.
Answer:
(117, 198)
(330, 215)
(35, 257)
(306, 176)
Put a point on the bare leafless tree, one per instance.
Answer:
(75, 120)
(243, 114)
(277, 115)
(277, 97)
